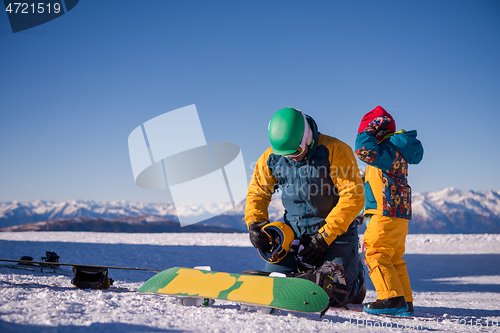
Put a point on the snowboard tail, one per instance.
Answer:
(282, 293)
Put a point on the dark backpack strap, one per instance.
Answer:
(330, 277)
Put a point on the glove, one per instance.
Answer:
(313, 252)
(380, 123)
(378, 126)
(259, 239)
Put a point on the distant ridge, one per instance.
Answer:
(138, 224)
(443, 212)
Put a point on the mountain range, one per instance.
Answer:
(452, 211)
(448, 211)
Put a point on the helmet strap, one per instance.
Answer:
(309, 139)
(308, 135)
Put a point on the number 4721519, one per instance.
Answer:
(34, 8)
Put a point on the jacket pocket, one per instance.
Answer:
(370, 202)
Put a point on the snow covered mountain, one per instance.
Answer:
(15, 213)
(446, 211)
(452, 211)
(135, 224)
(49, 215)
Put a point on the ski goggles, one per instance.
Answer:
(299, 152)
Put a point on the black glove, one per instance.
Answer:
(312, 253)
(259, 239)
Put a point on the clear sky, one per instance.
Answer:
(73, 89)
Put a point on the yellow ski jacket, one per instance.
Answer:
(322, 193)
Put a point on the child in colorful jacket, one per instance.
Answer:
(387, 208)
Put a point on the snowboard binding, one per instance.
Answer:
(50, 257)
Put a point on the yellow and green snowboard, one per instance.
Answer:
(288, 293)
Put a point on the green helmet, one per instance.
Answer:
(286, 130)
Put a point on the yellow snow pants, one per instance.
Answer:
(384, 243)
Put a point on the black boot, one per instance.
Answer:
(408, 313)
(392, 306)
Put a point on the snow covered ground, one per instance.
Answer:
(455, 278)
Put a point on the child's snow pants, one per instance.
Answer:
(384, 247)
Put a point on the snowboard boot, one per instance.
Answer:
(408, 313)
(390, 306)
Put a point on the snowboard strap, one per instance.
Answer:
(51, 257)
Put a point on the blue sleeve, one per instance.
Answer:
(411, 148)
(380, 155)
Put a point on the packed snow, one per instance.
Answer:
(455, 278)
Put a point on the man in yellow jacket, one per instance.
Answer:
(322, 194)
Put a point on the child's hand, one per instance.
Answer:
(378, 127)
(380, 123)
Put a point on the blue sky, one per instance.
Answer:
(73, 89)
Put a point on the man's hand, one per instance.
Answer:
(259, 239)
(313, 253)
